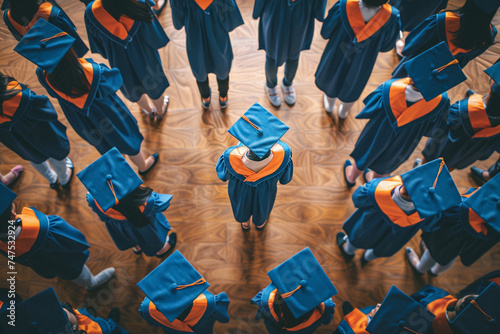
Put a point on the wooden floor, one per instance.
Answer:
(309, 211)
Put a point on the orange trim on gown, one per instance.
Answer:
(10, 106)
(438, 308)
(364, 30)
(194, 316)
(87, 324)
(42, 13)
(235, 159)
(29, 232)
(119, 28)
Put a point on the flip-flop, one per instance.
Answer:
(347, 164)
(156, 157)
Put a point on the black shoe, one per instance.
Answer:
(340, 242)
(55, 185)
(156, 157)
(348, 163)
(364, 261)
(469, 92)
(477, 175)
(347, 308)
(69, 164)
(139, 252)
(172, 241)
(114, 314)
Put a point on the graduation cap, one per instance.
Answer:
(486, 203)
(482, 315)
(7, 196)
(302, 282)
(39, 314)
(431, 188)
(488, 6)
(173, 285)
(109, 179)
(45, 45)
(400, 314)
(258, 130)
(435, 71)
(494, 73)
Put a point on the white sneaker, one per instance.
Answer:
(289, 94)
(102, 278)
(329, 103)
(273, 96)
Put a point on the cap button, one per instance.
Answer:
(260, 132)
(401, 323)
(432, 190)
(435, 73)
(174, 286)
(498, 204)
(43, 44)
(109, 177)
(303, 282)
(492, 321)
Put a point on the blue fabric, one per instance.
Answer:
(58, 18)
(452, 236)
(346, 64)
(150, 238)
(286, 28)
(136, 57)
(60, 250)
(369, 228)
(476, 287)
(34, 133)
(414, 12)
(105, 121)
(253, 198)
(380, 146)
(207, 35)
(262, 301)
(344, 327)
(428, 294)
(429, 33)
(456, 144)
(216, 311)
(108, 326)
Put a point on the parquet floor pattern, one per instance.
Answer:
(308, 212)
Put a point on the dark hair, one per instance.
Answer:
(475, 27)
(6, 94)
(375, 3)
(23, 11)
(67, 306)
(467, 300)
(4, 221)
(69, 77)
(254, 157)
(285, 316)
(139, 11)
(129, 206)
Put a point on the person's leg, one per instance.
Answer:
(223, 85)
(141, 162)
(344, 109)
(11, 176)
(329, 103)
(348, 247)
(369, 255)
(439, 269)
(62, 170)
(291, 66)
(271, 72)
(352, 172)
(170, 242)
(161, 105)
(46, 171)
(422, 265)
(205, 92)
(146, 106)
(90, 281)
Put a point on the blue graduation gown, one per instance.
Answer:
(49, 245)
(436, 301)
(208, 44)
(150, 238)
(88, 322)
(250, 193)
(206, 310)
(435, 29)
(287, 27)
(379, 223)
(100, 117)
(396, 126)
(132, 47)
(414, 12)
(459, 232)
(317, 318)
(350, 55)
(30, 127)
(478, 286)
(355, 322)
(52, 13)
(470, 135)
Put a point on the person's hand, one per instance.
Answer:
(374, 311)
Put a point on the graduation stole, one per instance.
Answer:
(204, 4)
(10, 106)
(383, 197)
(29, 232)
(315, 316)
(479, 119)
(357, 320)
(81, 100)
(200, 305)
(438, 308)
(87, 324)
(399, 107)
(364, 30)
(119, 28)
(251, 176)
(43, 12)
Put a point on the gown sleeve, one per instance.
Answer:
(110, 81)
(421, 36)
(373, 104)
(229, 14)
(221, 168)
(360, 196)
(258, 8)
(329, 311)
(95, 42)
(331, 22)
(319, 10)
(287, 175)
(221, 306)
(178, 13)
(161, 202)
(392, 33)
(41, 109)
